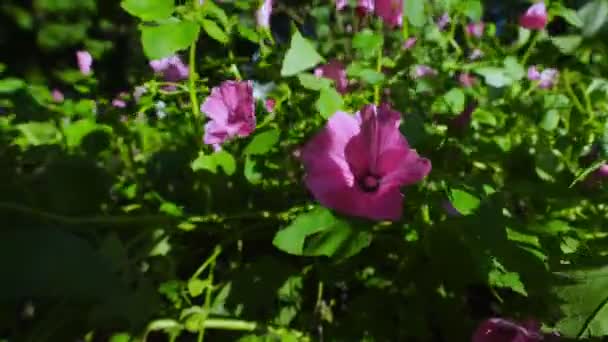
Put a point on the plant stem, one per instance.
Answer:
(230, 324)
(571, 93)
(192, 75)
(530, 48)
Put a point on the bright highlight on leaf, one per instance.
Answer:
(301, 56)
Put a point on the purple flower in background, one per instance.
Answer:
(475, 29)
(409, 43)
(57, 95)
(443, 21)
(341, 4)
(502, 330)
(391, 12)
(535, 17)
(421, 71)
(356, 165)
(334, 70)
(548, 78)
(85, 61)
(365, 7)
(263, 14)
(172, 68)
(231, 110)
(118, 103)
(466, 80)
(270, 104)
(533, 73)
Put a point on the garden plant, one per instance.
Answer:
(303, 170)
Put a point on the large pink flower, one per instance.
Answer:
(391, 11)
(535, 17)
(357, 164)
(334, 70)
(231, 108)
(365, 7)
(263, 14)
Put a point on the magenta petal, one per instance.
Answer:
(340, 4)
(391, 11)
(335, 71)
(535, 17)
(85, 61)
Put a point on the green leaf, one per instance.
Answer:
(512, 67)
(329, 102)
(251, 173)
(301, 56)
(196, 287)
(495, 77)
(584, 297)
(368, 42)
(166, 39)
(567, 44)
(217, 12)
(473, 9)
(262, 142)
(211, 162)
(593, 15)
(586, 172)
(312, 82)
(550, 120)
(38, 133)
(463, 201)
(414, 10)
(570, 15)
(214, 31)
(11, 85)
(484, 117)
(149, 9)
(318, 233)
(511, 280)
(76, 131)
(365, 73)
(455, 100)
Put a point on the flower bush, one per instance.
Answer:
(237, 170)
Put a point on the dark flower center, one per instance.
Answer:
(369, 183)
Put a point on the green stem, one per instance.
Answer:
(379, 70)
(217, 251)
(193, 75)
(570, 91)
(530, 48)
(230, 324)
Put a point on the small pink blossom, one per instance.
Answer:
(263, 14)
(475, 29)
(341, 4)
(365, 7)
(533, 73)
(466, 80)
(602, 171)
(391, 12)
(172, 68)
(356, 165)
(475, 54)
(443, 21)
(502, 330)
(231, 110)
(118, 103)
(535, 17)
(57, 95)
(335, 71)
(548, 78)
(421, 71)
(85, 61)
(409, 43)
(270, 104)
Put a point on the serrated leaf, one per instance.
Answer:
(584, 298)
(166, 39)
(214, 31)
(463, 201)
(318, 233)
(262, 142)
(301, 56)
(149, 9)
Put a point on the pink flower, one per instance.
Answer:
(270, 104)
(409, 43)
(231, 110)
(341, 4)
(365, 7)
(335, 71)
(502, 330)
(57, 95)
(356, 165)
(172, 68)
(535, 17)
(466, 80)
(118, 103)
(533, 73)
(85, 61)
(475, 29)
(391, 11)
(602, 171)
(443, 21)
(421, 71)
(263, 14)
(548, 78)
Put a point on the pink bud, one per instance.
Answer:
(57, 95)
(602, 171)
(85, 60)
(475, 29)
(270, 104)
(409, 43)
(533, 73)
(466, 80)
(443, 21)
(535, 17)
